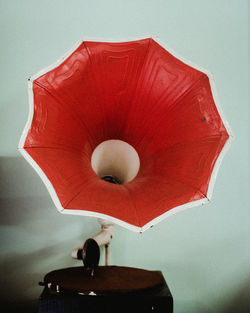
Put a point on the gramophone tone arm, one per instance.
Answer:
(104, 237)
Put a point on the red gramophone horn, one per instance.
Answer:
(132, 113)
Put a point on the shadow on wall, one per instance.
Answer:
(240, 302)
(34, 237)
(21, 307)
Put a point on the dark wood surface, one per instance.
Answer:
(106, 280)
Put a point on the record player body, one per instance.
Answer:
(110, 289)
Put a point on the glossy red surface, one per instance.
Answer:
(139, 93)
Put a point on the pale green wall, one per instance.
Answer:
(203, 252)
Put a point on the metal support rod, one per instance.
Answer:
(107, 254)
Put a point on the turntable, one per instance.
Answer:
(114, 288)
(110, 289)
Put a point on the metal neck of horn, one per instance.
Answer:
(89, 253)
